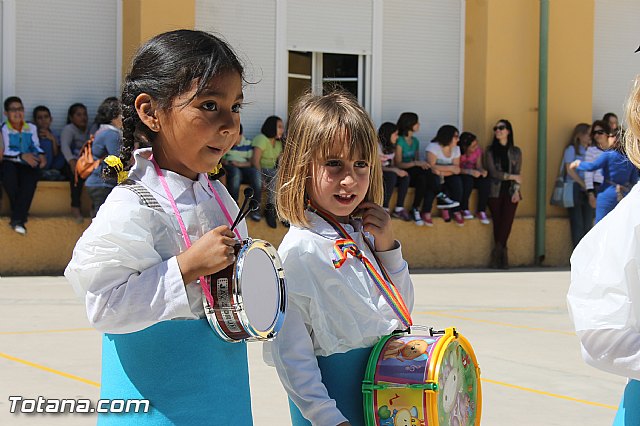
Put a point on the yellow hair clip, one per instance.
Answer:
(216, 169)
(116, 163)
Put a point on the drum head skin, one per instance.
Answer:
(458, 391)
(260, 286)
(425, 380)
(250, 295)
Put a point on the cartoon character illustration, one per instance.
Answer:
(406, 417)
(451, 384)
(412, 350)
(457, 378)
(402, 417)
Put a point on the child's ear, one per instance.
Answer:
(145, 106)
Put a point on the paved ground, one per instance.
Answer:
(517, 322)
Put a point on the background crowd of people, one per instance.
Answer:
(594, 160)
(33, 152)
(450, 168)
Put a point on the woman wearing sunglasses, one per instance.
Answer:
(504, 162)
(619, 175)
(599, 143)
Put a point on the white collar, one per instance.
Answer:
(321, 227)
(144, 171)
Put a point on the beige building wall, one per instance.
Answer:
(501, 81)
(142, 19)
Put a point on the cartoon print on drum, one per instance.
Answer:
(413, 349)
(458, 390)
(404, 359)
(402, 417)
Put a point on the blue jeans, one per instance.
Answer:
(606, 201)
(248, 175)
(53, 162)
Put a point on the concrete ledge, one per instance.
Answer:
(50, 199)
(52, 234)
(47, 247)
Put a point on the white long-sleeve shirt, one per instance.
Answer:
(329, 311)
(604, 296)
(125, 266)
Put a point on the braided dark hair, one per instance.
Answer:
(165, 67)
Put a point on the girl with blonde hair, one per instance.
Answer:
(340, 257)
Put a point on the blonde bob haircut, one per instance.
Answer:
(632, 117)
(315, 123)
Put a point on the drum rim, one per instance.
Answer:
(451, 335)
(271, 331)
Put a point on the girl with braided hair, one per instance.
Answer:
(136, 266)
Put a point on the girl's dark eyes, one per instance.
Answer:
(338, 163)
(212, 106)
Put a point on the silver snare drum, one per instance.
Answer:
(249, 295)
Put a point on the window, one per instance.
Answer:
(320, 72)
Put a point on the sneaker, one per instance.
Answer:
(401, 214)
(445, 202)
(416, 217)
(20, 229)
(467, 215)
(426, 218)
(457, 217)
(446, 216)
(483, 218)
(255, 216)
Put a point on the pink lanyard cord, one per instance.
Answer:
(183, 228)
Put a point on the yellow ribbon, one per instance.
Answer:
(116, 163)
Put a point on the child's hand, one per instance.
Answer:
(210, 254)
(377, 222)
(30, 159)
(400, 172)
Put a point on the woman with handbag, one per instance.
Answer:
(581, 213)
(504, 163)
(619, 176)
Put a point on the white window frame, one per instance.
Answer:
(317, 80)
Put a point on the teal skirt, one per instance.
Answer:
(629, 410)
(188, 374)
(342, 375)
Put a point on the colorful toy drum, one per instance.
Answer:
(422, 380)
